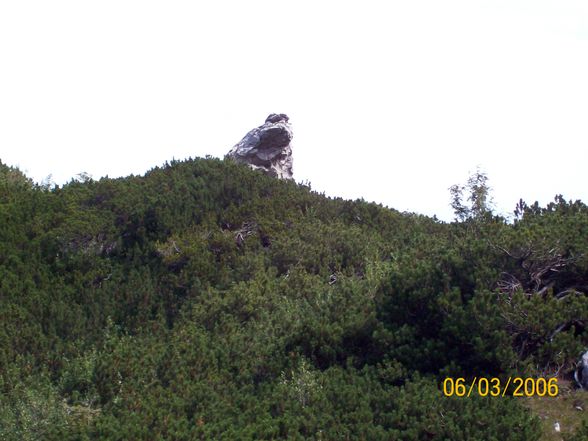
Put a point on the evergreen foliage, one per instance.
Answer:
(208, 301)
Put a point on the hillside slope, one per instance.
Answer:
(208, 301)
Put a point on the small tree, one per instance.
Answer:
(479, 199)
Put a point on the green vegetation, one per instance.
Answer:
(207, 301)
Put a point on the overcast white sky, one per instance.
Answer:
(392, 101)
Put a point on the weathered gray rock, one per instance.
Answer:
(581, 374)
(267, 147)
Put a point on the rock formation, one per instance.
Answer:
(267, 147)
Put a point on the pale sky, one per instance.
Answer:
(392, 101)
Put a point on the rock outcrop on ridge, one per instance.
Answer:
(267, 147)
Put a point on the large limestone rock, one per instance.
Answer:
(267, 147)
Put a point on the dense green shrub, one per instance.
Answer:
(208, 301)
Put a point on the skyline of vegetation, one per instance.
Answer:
(205, 300)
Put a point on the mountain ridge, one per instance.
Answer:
(205, 300)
